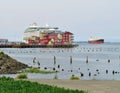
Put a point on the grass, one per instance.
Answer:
(22, 76)
(36, 70)
(9, 85)
(73, 77)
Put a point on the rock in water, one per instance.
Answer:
(9, 65)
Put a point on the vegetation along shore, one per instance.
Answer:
(9, 85)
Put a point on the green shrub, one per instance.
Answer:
(1, 53)
(22, 76)
(73, 77)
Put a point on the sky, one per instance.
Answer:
(84, 18)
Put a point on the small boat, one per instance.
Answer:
(96, 40)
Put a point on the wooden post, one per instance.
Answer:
(54, 60)
(70, 60)
(87, 59)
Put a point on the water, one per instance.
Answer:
(103, 61)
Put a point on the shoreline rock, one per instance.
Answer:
(9, 65)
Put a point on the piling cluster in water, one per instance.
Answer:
(84, 56)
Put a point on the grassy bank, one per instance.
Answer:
(36, 70)
(9, 85)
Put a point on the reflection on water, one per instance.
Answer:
(100, 62)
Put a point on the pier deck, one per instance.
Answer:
(36, 46)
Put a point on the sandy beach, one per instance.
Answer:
(92, 86)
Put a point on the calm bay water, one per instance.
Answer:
(103, 61)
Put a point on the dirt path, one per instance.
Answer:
(92, 86)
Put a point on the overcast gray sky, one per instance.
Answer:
(84, 18)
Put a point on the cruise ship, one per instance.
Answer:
(96, 40)
(46, 35)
